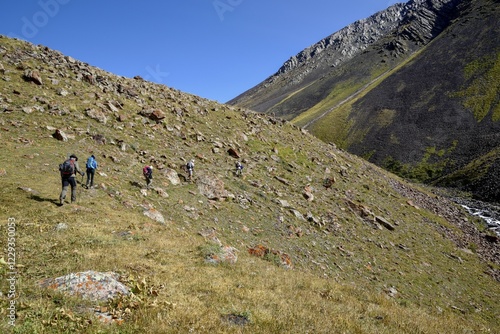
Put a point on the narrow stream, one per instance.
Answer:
(488, 212)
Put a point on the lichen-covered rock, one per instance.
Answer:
(91, 285)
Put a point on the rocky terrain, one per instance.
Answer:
(220, 253)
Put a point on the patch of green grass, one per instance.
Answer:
(481, 95)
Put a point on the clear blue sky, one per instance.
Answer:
(215, 49)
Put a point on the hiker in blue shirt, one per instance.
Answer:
(91, 167)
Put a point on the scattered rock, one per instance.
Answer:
(61, 227)
(297, 214)
(283, 202)
(211, 187)
(172, 176)
(234, 153)
(155, 215)
(384, 223)
(282, 180)
(91, 285)
(161, 192)
(308, 195)
(28, 190)
(268, 254)
(59, 135)
(62, 92)
(99, 139)
(98, 115)
(33, 76)
(235, 319)
(226, 255)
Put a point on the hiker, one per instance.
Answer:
(68, 170)
(239, 168)
(91, 167)
(147, 171)
(190, 169)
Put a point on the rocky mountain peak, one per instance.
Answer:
(418, 21)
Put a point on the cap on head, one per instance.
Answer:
(151, 167)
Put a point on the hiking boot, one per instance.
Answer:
(61, 202)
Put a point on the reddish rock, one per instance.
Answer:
(157, 115)
(232, 152)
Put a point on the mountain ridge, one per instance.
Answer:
(435, 72)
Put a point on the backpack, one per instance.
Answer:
(146, 171)
(67, 168)
(91, 163)
(190, 166)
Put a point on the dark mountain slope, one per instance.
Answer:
(421, 100)
(438, 122)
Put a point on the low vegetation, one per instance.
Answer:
(345, 249)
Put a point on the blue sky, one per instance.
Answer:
(216, 49)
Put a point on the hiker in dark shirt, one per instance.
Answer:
(190, 169)
(239, 168)
(68, 171)
(147, 171)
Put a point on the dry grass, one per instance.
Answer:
(341, 272)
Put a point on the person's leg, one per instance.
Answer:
(62, 196)
(92, 172)
(72, 182)
(88, 177)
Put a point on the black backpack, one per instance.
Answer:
(67, 168)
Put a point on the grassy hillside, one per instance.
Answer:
(353, 249)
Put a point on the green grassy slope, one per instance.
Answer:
(348, 273)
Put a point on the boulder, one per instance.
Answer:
(234, 153)
(172, 176)
(97, 115)
(91, 285)
(155, 215)
(33, 76)
(211, 187)
(59, 135)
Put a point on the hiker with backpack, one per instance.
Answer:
(190, 169)
(147, 171)
(68, 170)
(91, 167)
(239, 168)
